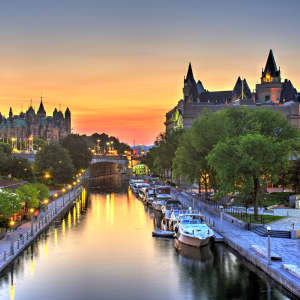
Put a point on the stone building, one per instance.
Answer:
(271, 93)
(31, 125)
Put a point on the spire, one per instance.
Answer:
(67, 113)
(190, 74)
(10, 113)
(271, 67)
(41, 112)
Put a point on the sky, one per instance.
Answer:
(119, 65)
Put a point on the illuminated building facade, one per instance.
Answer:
(29, 125)
(271, 93)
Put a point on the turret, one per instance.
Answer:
(41, 112)
(270, 73)
(10, 114)
(68, 120)
(190, 92)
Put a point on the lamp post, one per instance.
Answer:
(269, 245)
(63, 190)
(55, 196)
(12, 250)
(221, 214)
(31, 210)
(98, 146)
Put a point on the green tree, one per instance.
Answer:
(294, 175)
(244, 164)
(43, 191)
(10, 204)
(5, 148)
(29, 195)
(55, 161)
(20, 168)
(78, 149)
(39, 143)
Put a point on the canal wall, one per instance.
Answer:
(241, 240)
(59, 208)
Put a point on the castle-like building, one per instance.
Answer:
(272, 92)
(30, 125)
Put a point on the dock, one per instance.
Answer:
(163, 233)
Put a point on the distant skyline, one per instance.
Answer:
(119, 65)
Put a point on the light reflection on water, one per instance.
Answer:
(103, 249)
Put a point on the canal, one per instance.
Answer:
(103, 249)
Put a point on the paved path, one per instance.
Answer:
(5, 243)
(242, 240)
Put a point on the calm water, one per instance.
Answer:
(103, 249)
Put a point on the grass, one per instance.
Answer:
(260, 219)
(267, 199)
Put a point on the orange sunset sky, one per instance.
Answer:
(120, 66)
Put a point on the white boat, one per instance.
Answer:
(160, 200)
(150, 196)
(191, 230)
(169, 206)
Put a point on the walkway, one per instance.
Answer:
(241, 240)
(22, 235)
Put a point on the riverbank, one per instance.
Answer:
(243, 241)
(15, 243)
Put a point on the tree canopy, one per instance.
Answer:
(78, 150)
(55, 161)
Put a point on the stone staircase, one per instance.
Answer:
(262, 231)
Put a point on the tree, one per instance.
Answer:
(29, 195)
(294, 175)
(20, 168)
(10, 204)
(78, 149)
(5, 148)
(55, 161)
(244, 164)
(39, 143)
(43, 191)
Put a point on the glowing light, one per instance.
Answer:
(69, 186)
(31, 210)
(47, 175)
(11, 223)
(12, 292)
(31, 267)
(55, 237)
(45, 201)
(63, 227)
(63, 190)
(55, 195)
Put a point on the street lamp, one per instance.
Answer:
(269, 245)
(63, 190)
(31, 211)
(11, 224)
(55, 196)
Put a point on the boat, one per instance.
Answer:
(160, 200)
(191, 230)
(150, 196)
(169, 206)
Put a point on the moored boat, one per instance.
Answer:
(191, 230)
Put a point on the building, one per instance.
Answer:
(271, 93)
(29, 125)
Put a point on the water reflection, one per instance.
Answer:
(107, 252)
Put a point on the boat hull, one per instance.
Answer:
(192, 241)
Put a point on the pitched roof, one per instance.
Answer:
(41, 109)
(271, 67)
(190, 75)
(288, 92)
(215, 97)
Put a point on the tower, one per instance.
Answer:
(269, 89)
(68, 120)
(190, 92)
(41, 112)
